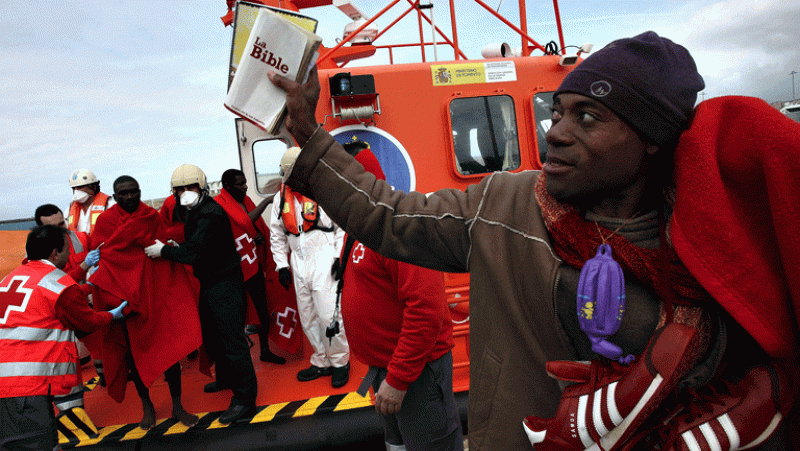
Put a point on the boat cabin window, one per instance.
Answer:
(267, 155)
(484, 134)
(543, 119)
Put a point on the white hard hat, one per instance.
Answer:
(188, 174)
(82, 177)
(288, 159)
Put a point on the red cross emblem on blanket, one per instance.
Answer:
(287, 321)
(240, 246)
(14, 297)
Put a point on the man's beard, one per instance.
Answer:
(237, 195)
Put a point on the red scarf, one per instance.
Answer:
(575, 240)
(166, 326)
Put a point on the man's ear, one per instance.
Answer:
(652, 149)
(53, 254)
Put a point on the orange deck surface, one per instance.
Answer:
(276, 384)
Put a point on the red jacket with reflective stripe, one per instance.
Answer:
(37, 352)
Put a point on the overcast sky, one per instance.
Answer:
(137, 87)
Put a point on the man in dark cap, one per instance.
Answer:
(524, 238)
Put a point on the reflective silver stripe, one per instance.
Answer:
(76, 242)
(34, 334)
(17, 369)
(50, 281)
(66, 405)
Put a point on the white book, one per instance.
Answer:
(275, 44)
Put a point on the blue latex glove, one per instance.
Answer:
(92, 258)
(117, 312)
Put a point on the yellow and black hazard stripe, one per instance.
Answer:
(72, 437)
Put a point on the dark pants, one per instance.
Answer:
(256, 287)
(222, 311)
(428, 417)
(27, 423)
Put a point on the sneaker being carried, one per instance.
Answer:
(731, 416)
(612, 401)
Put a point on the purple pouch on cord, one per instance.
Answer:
(601, 302)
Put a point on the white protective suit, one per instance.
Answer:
(312, 256)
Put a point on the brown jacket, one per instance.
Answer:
(494, 231)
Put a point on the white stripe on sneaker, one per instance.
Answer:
(613, 412)
(730, 430)
(711, 437)
(597, 414)
(690, 441)
(583, 430)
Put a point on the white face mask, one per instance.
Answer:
(80, 196)
(189, 198)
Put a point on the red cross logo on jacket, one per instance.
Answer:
(14, 299)
(358, 253)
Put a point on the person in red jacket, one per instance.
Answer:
(78, 263)
(398, 323)
(41, 310)
(80, 258)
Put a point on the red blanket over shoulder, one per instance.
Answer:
(166, 326)
(283, 330)
(736, 223)
(244, 231)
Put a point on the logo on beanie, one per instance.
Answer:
(600, 88)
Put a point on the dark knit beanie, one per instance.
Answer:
(648, 81)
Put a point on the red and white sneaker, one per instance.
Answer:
(736, 416)
(614, 400)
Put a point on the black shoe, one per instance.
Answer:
(237, 410)
(313, 372)
(269, 356)
(340, 376)
(213, 387)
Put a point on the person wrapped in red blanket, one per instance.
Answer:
(166, 326)
(252, 237)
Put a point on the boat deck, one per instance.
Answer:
(291, 415)
(280, 396)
